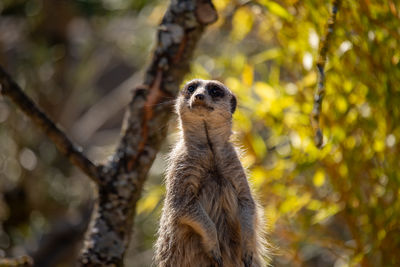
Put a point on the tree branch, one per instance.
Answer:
(9, 88)
(320, 90)
(120, 182)
(144, 130)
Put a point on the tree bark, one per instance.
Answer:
(119, 183)
(145, 128)
(320, 89)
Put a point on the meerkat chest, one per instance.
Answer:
(218, 195)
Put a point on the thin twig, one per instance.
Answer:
(320, 90)
(12, 90)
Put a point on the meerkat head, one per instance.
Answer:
(210, 101)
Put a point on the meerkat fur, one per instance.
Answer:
(210, 217)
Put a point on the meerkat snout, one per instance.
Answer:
(199, 97)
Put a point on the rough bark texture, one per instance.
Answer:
(120, 181)
(320, 90)
(144, 130)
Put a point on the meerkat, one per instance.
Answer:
(210, 217)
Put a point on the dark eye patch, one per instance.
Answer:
(192, 87)
(215, 91)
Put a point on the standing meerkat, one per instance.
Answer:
(210, 217)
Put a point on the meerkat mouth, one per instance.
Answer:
(200, 104)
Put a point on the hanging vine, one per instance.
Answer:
(320, 90)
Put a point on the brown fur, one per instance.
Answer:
(209, 217)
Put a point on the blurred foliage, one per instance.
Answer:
(338, 206)
(79, 60)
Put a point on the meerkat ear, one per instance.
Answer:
(233, 104)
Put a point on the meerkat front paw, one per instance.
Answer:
(248, 259)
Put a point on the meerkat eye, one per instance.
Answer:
(216, 91)
(191, 88)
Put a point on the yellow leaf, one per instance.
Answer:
(357, 259)
(319, 178)
(325, 213)
(238, 62)
(257, 176)
(259, 146)
(247, 75)
(341, 104)
(265, 56)
(381, 234)
(294, 203)
(314, 205)
(241, 24)
(150, 201)
(220, 4)
(343, 170)
(233, 84)
(242, 121)
(265, 91)
(277, 9)
(309, 80)
(379, 145)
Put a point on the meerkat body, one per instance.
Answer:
(209, 217)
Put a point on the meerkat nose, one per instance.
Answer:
(199, 96)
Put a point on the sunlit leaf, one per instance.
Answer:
(247, 75)
(319, 178)
(242, 23)
(325, 213)
(150, 201)
(276, 9)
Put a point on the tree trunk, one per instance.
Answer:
(119, 183)
(145, 128)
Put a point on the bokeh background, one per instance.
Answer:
(79, 60)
